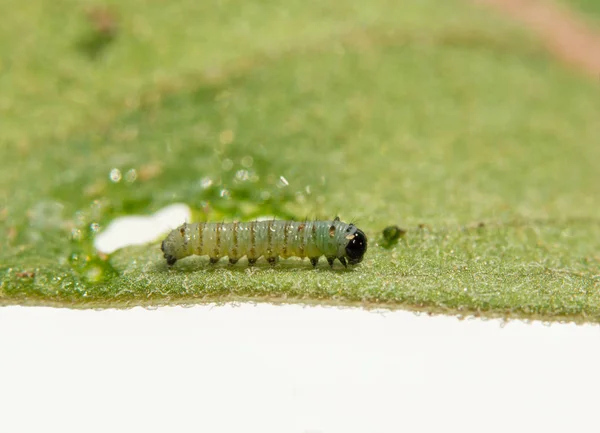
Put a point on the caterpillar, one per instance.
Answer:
(271, 239)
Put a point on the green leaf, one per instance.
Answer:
(435, 117)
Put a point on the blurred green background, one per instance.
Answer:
(440, 117)
(589, 8)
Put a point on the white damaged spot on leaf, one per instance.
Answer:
(138, 229)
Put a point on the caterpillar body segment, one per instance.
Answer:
(272, 239)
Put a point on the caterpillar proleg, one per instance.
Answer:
(271, 239)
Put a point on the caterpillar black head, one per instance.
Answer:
(356, 247)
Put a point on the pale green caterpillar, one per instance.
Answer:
(272, 239)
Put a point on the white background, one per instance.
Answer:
(267, 368)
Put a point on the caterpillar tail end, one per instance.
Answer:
(170, 259)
